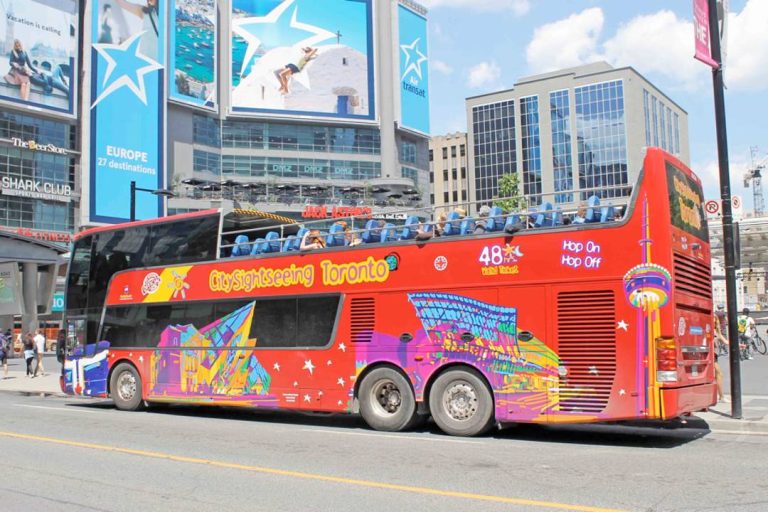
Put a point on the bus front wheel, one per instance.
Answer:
(461, 404)
(386, 400)
(125, 387)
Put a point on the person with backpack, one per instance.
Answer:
(5, 351)
(29, 352)
(747, 329)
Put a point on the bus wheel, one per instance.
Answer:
(125, 387)
(461, 404)
(387, 401)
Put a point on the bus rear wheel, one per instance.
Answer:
(386, 400)
(461, 404)
(125, 387)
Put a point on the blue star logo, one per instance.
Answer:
(291, 32)
(413, 58)
(125, 67)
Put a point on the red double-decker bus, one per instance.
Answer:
(576, 317)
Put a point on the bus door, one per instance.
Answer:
(530, 370)
(85, 365)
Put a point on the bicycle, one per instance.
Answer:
(721, 348)
(758, 344)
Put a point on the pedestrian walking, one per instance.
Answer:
(719, 339)
(29, 352)
(5, 351)
(39, 351)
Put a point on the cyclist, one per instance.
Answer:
(747, 330)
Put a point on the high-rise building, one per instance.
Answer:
(294, 117)
(571, 133)
(448, 169)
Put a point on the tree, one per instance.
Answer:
(509, 198)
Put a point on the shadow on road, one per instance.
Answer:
(635, 434)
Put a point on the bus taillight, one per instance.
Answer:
(666, 360)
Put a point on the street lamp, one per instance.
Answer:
(158, 192)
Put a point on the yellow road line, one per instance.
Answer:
(312, 476)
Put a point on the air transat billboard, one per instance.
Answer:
(38, 40)
(303, 57)
(127, 107)
(193, 37)
(414, 72)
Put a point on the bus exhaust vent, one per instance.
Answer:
(586, 334)
(692, 277)
(363, 320)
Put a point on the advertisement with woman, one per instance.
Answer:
(38, 39)
(303, 57)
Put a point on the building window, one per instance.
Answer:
(601, 139)
(647, 116)
(654, 103)
(463, 195)
(42, 131)
(431, 155)
(446, 199)
(455, 196)
(445, 153)
(431, 177)
(454, 174)
(411, 174)
(463, 151)
(562, 160)
(662, 126)
(408, 152)
(677, 134)
(463, 173)
(670, 133)
(529, 135)
(204, 161)
(453, 151)
(206, 131)
(495, 153)
(445, 174)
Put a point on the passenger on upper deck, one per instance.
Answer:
(312, 240)
(581, 215)
(349, 235)
(482, 219)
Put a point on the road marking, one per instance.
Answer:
(57, 408)
(407, 438)
(313, 476)
(739, 432)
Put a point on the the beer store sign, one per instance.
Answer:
(35, 189)
(34, 146)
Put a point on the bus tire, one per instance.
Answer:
(125, 387)
(386, 400)
(461, 403)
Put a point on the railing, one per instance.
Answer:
(404, 224)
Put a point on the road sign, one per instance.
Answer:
(712, 207)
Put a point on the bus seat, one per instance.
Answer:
(592, 212)
(336, 236)
(409, 229)
(272, 242)
(90, 350)
(242, 247)
(299, 238)
(259, 246)
(557, 217)
(495, 220)
(389, 232)
(544, 215)
(371, 233)
(512, 220)
(467, 226)
(606, 213)
(290, 244)
(452, 224)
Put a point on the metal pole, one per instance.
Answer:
(133, 201)
(725, 195)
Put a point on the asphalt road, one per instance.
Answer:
(77, 454)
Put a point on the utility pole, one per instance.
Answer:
(725, 195)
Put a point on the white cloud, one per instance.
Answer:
(565, 43)
(440, 67)
(483, 74)
(659, 43)
(709, 173)
(518, 7)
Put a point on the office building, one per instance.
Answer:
(571, 133)
(448, 169)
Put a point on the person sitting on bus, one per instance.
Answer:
(581, 215)
(312, 240)
(349, 235)
(482, 219)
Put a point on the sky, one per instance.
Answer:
(481, 46)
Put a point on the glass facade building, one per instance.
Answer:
(591, 142)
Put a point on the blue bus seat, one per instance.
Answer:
(259, 246)
(606, 213)
(495, 220)
(242, 247)
(372, 233)
(557, 217)
(410, 227)
(544, 215)
(467, 226)
(336, 236)
(452, 224)
(592, 211)
(512, 220)
(272, 242)
(290, 244)
(389, 232)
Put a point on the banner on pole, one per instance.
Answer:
(701, 33)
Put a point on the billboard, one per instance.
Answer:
(11, 300)
(303, 57)
(414, 72)
(193, 39)
(38, 40)
(127, 107)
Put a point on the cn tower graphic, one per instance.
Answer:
(647, 287)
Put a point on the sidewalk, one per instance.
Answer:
(18, 381)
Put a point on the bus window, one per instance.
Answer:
(296, 322)
(115, 251)
(77, 280)
(184, 241)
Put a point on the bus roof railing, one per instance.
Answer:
(521, 212)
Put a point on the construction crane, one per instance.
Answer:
(754, 175)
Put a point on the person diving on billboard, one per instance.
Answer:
(290, 69)
(148, 14)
